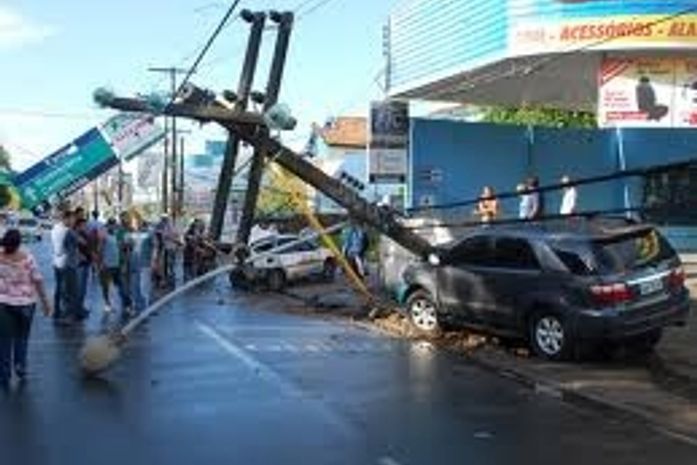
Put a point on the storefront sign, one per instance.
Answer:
(388, 143)
(131, 133)
(648, 92)
(67, 170)
(550, 26)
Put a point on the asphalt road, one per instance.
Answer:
(242, 383)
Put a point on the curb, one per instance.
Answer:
(584, 400)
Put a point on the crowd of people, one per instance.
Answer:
(532, 201)
(127, 256)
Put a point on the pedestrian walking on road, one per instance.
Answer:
(85, 262)
(74, 311)
(21, 284)
(58, 233)
(355, 246)
(138, 257)
(167, 244)
(110, 268)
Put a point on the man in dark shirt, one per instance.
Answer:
(85, 255)
(537, 199)
(71, 246)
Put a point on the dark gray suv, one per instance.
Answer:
(557, 286)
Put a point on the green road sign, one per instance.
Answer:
(66, 170)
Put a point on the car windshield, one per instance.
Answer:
(644, 249)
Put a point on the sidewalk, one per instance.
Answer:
(676, 355)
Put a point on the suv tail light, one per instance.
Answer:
(611, 294)
(676, 278)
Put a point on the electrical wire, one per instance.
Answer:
(46, 114)
(311, 9)
(209, 43)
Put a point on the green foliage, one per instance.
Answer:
(538, 116)
(275, 199)
(5, 196)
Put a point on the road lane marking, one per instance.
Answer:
(387, 461)
(250, 362)
(233, 350)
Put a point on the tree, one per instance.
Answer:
(274, 196)
(5, 159)
(540, 116)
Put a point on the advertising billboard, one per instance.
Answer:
(648, 92)
(388, 142)
(548, 26)
(132, 133)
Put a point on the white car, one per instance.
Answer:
(301, 261)
(30, 229)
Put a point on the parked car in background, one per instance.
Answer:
(305, 260)
(30, 229)
(559, 286)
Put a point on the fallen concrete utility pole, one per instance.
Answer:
(251, 128)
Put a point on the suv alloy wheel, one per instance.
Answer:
(423, 312)
(549, 336)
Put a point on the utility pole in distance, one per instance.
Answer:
(222, 193)
(172, 144)
(273, 88)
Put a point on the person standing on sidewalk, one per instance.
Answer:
(20, 285)
(488, 205)
(569, 197)
(537, 199)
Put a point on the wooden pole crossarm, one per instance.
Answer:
(215, 113)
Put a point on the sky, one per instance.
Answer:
(55, 53)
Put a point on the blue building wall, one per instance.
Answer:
(578, 154)
(461, 158)
(450, 161)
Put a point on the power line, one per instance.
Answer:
(207, 46)
(304, 14)
(46, 114)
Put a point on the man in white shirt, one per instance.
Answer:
(60, 258)
(569, 197)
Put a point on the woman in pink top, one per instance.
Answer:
(20, 285)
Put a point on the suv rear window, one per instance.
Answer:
(627, 254)
(573, 262)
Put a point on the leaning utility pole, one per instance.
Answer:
(273, 88)
(222, 193)
(167, 166)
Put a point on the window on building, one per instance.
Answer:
(671, 196)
